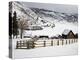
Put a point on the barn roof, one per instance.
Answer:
(66, 31)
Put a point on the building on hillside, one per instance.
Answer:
(68, 34)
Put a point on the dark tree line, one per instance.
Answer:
(13, 25)
(10, 25)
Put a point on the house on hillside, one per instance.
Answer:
(68, 34)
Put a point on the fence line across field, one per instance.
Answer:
(25, 44)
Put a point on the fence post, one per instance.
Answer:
(44, 43)
(66, 41)
(33, 45)
(27, 44)
(17, 45)
(69, 41)
(57, 42)
(51, 42)
(23, 43)
(62, 42)
(20, 44)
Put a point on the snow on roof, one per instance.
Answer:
(66, 31)
(56, 35)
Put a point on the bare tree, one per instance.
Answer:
(22, 24)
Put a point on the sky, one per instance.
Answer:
(55, 7)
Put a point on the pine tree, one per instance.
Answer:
(10, 25)
(10, 19)
(15, 25)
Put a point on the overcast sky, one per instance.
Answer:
(54, 7)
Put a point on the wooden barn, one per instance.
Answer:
(68, 34)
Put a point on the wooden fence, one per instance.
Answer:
(43, 43)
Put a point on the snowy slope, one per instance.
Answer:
(52, 22)
(23, 12)
(70, 17)
(60, 23)
(26, 13)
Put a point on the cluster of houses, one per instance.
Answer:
(67, 34)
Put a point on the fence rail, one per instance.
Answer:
(43, 43)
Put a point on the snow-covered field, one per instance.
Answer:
(64, 50)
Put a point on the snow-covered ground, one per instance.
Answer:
(58, 29)
(50, 51)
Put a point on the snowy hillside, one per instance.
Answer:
(52, 22)
(23, 12)
(28, 14)
(70, 17)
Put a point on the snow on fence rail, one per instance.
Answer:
(25, 44)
